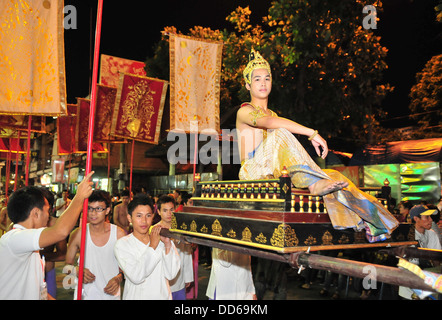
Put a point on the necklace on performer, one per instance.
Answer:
(257, 107)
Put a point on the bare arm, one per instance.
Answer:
(67, 221)
(73, 246)
(245, 116)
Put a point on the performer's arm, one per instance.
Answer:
(248, 116)
(64, 225)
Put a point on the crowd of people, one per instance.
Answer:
(123, 245)
(125, 255)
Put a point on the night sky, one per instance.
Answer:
(407, 27)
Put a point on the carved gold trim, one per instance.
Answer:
(344, 239)
(261, 238)
(239, 199)
(310, 241)
(295, 249)
(217, 228)
(246, 235)
(327, 238)
(174, 224)
(284, 236)
(193, 226)
(231, 234)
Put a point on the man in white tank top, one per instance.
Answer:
(101, 274)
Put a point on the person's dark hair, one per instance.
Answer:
(100, 196)
(140, 200)
(186, 197)
(125, 193)
(436, 216)
(22, 202)
(407, 204)
(50, 197)
(164, 199)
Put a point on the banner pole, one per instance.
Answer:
(90, 142)
(17, 156)
(28, 151)
(131, 168)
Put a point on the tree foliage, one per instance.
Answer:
(426, 99)
(326, 68)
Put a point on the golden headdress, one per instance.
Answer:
(256, 61)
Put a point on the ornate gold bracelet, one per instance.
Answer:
(313, 135)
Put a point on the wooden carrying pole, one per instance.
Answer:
(89, 144)
(390, 275)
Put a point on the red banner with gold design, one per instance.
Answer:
(66, 127)
(139, 108)
(104, 110)
(9, 145)
(81, 136)
(17, 145)
(111, 67)
(20, 122)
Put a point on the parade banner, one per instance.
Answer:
(139, 108)
(111, 67)
(20, 122)
(66, 128)
(16, 145)
(195, 71)
(11, 133)
(82, 127)
(4, 145)
(58, 171)
(32, 62)
(104, 110)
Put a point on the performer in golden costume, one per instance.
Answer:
(267, 145)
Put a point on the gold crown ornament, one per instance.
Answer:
(256, 61)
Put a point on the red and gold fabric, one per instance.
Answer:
(111, 67)
(20, 122)
(104, 110)
(82, 132)
(139, 108)
(195, 71)
(66, 127)
(32, 62)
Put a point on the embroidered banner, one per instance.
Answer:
(20, 122)
(17, 145)
(66, 128)
(139, 108)
(195, 71)
(104, 110)
(111, 67)
(58, 171)
(32, 66)
(82, 132)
